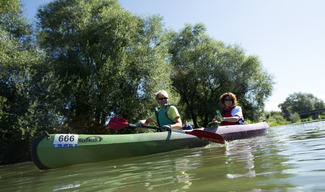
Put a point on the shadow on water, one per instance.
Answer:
(283, 160)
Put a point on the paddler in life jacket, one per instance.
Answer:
(187, 126)
(165, 116)
(231, 113)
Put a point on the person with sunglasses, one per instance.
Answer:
(231, 113)
(165, 116)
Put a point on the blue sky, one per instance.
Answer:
(288, 36)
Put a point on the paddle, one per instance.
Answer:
(120, 123)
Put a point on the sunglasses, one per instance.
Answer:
(163, 98)
(227, 99)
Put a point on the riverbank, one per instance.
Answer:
(278, 123)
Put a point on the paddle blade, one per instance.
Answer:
(208, 136)
(117, 123)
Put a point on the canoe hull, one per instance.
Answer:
(91, 148)
(234, 132)
(60, 150)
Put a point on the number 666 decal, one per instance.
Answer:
(65, 140)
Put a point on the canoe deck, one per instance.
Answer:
(60, 150)
(234, 132)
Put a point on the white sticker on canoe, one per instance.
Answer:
(65, 140)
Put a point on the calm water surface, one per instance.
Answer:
(288, 158)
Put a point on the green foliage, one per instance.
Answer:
(301, 103)
(309, 118)
(108, 61)
(204, 69)
(294, 117)
(25, 86)
(13, 22)
(274, 118)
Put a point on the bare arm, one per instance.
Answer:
(216, 119)
(178, 124)
(231, 119)
(146, 121)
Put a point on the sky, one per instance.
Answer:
(288, 36)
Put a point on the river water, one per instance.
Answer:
(288, 158)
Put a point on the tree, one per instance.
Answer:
(109, 62)
(205, 68)
(13, 22)
(24, 86)
(294, 117)
(300, 103)
(274, 117)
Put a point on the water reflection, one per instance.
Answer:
(257, 158)
(242, 155)
(66, 187)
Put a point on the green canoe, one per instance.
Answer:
(59, 150)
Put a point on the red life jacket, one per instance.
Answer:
(226, 112)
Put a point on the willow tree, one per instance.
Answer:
(108, 61)
(24, 86)
(205, 68)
